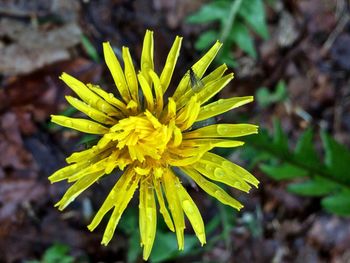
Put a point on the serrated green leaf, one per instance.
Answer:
(254, 13)
(218, 10)
(317, 186)
(337, 158)
(283, 172)
(305, 150)
(338, 204)
(206, 39)
(241, 36)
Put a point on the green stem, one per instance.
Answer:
(231, 18)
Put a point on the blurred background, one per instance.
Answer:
(292, 55)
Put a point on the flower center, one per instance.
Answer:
(141, 136)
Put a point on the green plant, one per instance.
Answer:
(90, 49)
(165, 242)
(235, 18)
(55, 253)
(265, 97)
(329, 180)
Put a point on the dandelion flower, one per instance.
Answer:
(146, 135)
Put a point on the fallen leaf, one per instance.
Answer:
(30, 48)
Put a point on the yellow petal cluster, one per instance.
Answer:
(146, 135)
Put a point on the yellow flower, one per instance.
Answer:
(145, 135)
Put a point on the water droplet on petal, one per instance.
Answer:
(219, 172)
(210, 168)
(222, 129)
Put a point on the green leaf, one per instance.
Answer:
(265, 97)
(283, 172)
(280, 139)
(165, 247)
(305, 150)
(337, 158)
(225, 57)
(206, 39)
(90, 49)
(254, 13)
(323, 180)
(338, 204)
(218, 10)
(317, 186)
(241, 36)
(57, 253)
(134, 248)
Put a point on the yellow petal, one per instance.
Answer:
(86, 166)
(170, 63)
(147, 91)
(97, 164)
(177, 137)
(198, 68)
(147, 56)
(82, 125)
(221, 106)
(78, 187)
(87, 154)
(147, 216)
(183, 87)
(189, 151)
(205, 93)
(188, 114)
(112, 161)
(201, 65)
(86, 94)
(116, 71)
(158, 91)
(162, 208)
(222, 130)
(169, 112)
(89, 111)
(215, 172)
(67, 171)
(130, 74)
(213, 87)
(113, 197)
(215, 74)
(224, 143)
(230, 167)
(191, 112)
(119, 208)
(212, 189)
(109, 97)
(180, 161)
(175, 206)
(192, 212)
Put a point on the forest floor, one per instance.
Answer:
(308, 48)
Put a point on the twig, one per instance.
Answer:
(343, 20)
